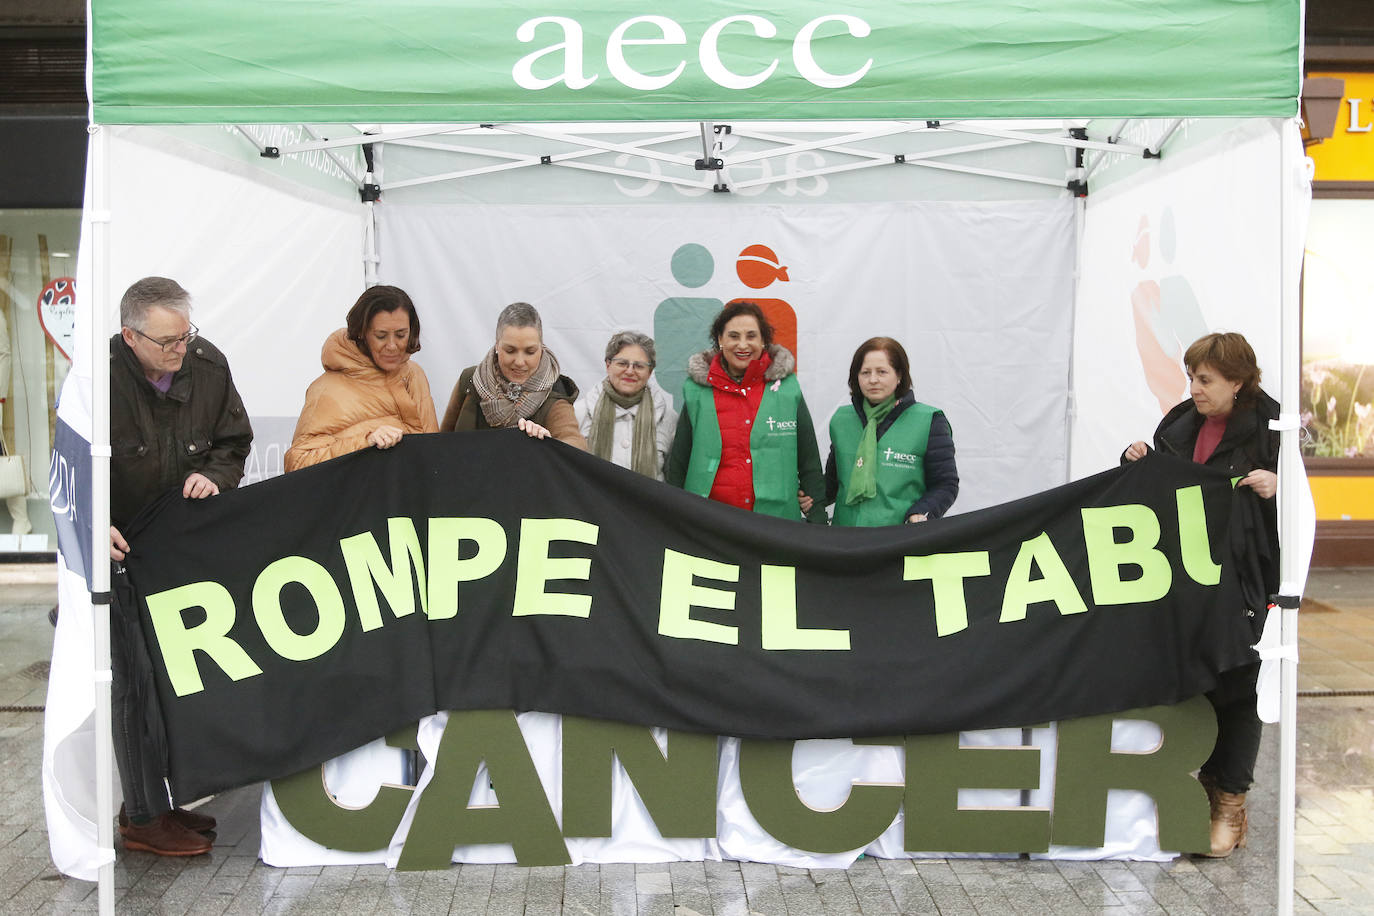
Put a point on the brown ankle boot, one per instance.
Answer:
(1229, 822)
(163, 836)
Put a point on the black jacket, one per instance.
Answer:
(157, 440)
(1248, 444)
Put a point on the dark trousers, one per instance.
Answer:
(1232, 764)
(140, 747)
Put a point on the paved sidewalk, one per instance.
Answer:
(1335, 827)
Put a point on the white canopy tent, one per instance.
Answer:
(276, 228)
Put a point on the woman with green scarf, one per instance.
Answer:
(625, 419)
(891, 457)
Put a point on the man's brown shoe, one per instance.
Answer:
(163, 836)
(193, 820)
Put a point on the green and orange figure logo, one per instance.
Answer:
(682, 324)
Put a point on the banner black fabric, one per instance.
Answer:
(298, 618)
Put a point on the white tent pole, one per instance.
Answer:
(100, 508)
(373, 167)
(370, 258)
(1291, 565)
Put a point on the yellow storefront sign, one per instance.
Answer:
(1349, 154)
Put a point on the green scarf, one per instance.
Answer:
(644, 441)
(863, 480)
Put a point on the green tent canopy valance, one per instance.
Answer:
(277, 61)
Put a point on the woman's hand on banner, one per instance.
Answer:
(533, 429)
(1265, 483)
(1136, 450)
(385, 436)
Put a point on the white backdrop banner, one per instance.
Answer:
(980, 294)
(1169, 256)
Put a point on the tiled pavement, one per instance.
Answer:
(1335, 829)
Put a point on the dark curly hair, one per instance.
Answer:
(381, 299)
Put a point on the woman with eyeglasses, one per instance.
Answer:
(624, 419)
(371, 393)
(517, 385)
(746, 437)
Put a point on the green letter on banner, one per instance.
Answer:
(397, 582)
(179, 642)
(446, 535)
(681, 594)
(677, 785)
(522, 817)
(1193, 542)
(534, 567)
(778, 586)
(285, 641)
(1106, 556)
(1054, 585)
(937, 767)
(308, 805)
(947, 572)
(765, 777)
(1088, 768)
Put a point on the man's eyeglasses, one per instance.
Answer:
(623, 364)
(169, 345)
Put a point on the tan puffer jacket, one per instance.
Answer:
(353, 398)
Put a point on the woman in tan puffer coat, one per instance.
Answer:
(370, 394)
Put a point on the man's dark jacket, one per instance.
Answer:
(157, 440)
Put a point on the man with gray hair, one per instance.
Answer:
(176, 422)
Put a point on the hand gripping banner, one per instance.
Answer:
(297, 618)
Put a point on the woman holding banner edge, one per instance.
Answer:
(913, 477)
(745, 436)
(1225, 424)
(624, 419)
(370, 394)
(517, 384)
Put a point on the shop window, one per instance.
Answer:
(1338, 332)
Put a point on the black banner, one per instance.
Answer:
(303, 616)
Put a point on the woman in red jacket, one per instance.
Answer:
(745, 436)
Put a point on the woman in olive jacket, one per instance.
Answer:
(517, 384)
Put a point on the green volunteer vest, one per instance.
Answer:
(901, 465)
(772, 445)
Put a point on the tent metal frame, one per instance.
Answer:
(843, 138)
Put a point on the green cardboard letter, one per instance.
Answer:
(677, 785)
(522, 818)
(1088, 768)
